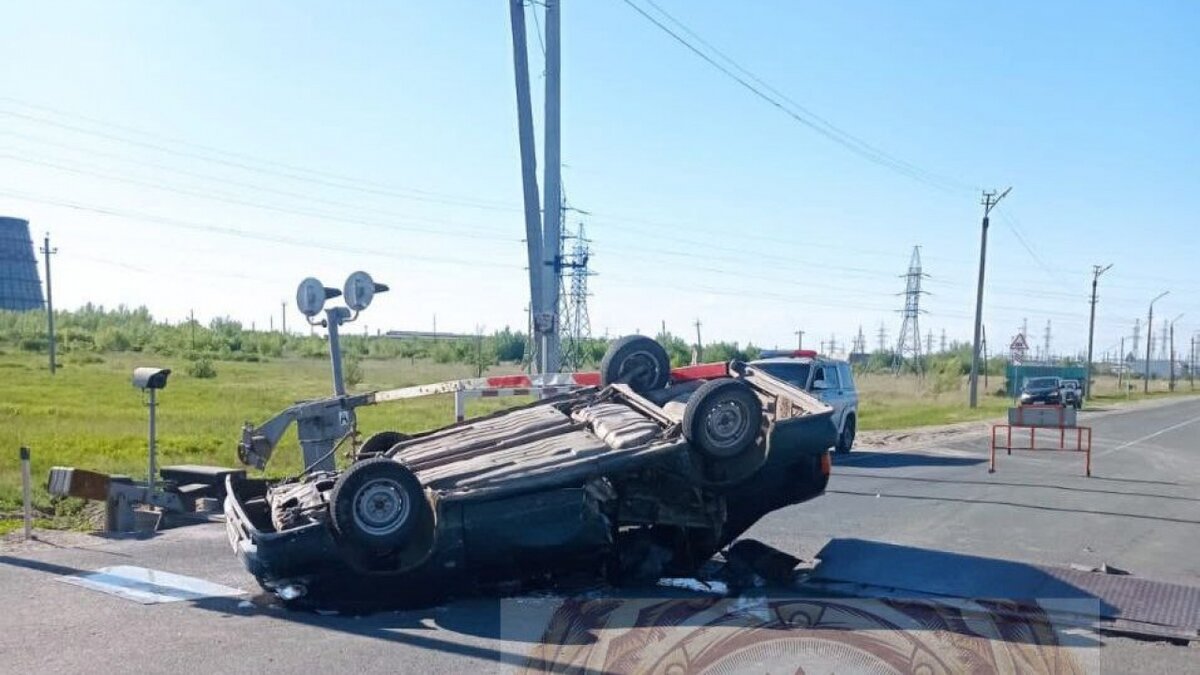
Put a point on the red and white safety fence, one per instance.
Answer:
(538, 386)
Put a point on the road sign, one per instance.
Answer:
(1018, 348)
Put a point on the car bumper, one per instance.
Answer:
(275, 556)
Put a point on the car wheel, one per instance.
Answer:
(375, 504)
(637, 361)
(377, 444)
(846, 438)
(722, 418)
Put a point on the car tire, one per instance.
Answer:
(722, 418)
(637, 361)
(379, 443)
(845, 439)
(375, 504)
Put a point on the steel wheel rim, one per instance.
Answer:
(639, 370)
(725, 424)
(380, 507)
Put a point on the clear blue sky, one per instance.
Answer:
(706, 201)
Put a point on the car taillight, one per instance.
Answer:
(826, 464)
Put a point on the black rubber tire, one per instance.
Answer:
(391, 486)
(638, 361)
(845, 439)
(742, 418)
(379, 443)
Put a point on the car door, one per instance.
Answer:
(832, 394)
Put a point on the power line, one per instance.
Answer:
(295, 173)
(219, 179)
(798, 112)
(244, 234)
(235, 200)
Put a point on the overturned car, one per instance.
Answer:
(649, 474)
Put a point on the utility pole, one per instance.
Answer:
(699, 344)
(928, 343)
(943, 340)
(283, 315)
(882, 337)
(529, 186)
(552, 209)
(664, 329)
(1137, 333)
(985, 360)
(990, 200)
(1097, 270)
(1150, 341)
(47, 252)
(1120, 370)
(799, 339)
(1192, 369)
(192, 326)
(1171, 354)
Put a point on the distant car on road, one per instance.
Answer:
(830, 380)
(1072, 393)
(1042, 390)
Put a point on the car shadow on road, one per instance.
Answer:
(896, 460)
(604, 629)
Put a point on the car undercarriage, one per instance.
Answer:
(630, 481)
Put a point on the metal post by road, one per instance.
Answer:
(990, 199)
(47, 252)
(153, 469)
(552, 209)
(1171, 355)
(1096, 272)
(26, 497)
(1121, 367)
(533, 213)
(799, 339)
(333, 320)
(1150, 341)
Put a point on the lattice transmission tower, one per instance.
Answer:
(909, 343)
(576, 325)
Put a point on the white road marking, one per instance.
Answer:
(149, 586)
(1147, 437)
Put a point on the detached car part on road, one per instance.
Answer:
(643, 476)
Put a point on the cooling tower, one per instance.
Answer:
(20, 286)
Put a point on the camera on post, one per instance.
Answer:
(150, 378)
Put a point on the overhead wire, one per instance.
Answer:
(799, 113)
(248, 234)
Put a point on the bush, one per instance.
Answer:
(352, 370)
(202, 368)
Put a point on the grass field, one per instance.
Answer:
(89, 416)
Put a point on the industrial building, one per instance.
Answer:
(20, 285)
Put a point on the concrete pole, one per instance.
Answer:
(47, 252)
(1096, 272)
(552, 206)
(533, 216)
(1150, 342)
(974, 397)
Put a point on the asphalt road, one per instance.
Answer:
(1140, 511)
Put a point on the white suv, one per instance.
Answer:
(828, 379)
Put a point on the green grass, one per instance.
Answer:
(89, 416)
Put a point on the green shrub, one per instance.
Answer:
(352, 370)
(202, 368)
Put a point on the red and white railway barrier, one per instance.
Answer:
(539, 386)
